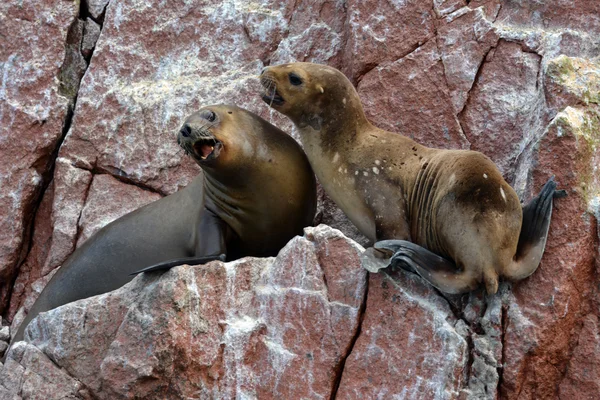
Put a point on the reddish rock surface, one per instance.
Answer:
(408, 333)
(421, 107)
(505, 105)
(515, 80)
(255, 328)
(32, 115)
(544, 317)
(381, 31)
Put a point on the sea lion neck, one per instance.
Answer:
(337, 125)
(228, 192)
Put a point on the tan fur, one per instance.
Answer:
(454, 203)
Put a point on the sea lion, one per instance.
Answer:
(446, 214)
(256, 192)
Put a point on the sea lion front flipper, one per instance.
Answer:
(440, 272)
(212, 233)
(180, 261)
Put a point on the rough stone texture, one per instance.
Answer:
(4, 339)
(254, 328)
(517, 80)
(543, 318)
(96, 7)
(582, 379)
(32, 115)
(384, 30)
(408, 333)
(55, 233)
(421, 107)
(464, 40)
(107, 200)
(29, 374)
(505, 104)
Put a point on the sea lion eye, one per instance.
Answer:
(209, 115)
(295, 79)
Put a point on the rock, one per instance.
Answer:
(570, 80)
(464, 42)
(543, 312)
(553, 16)
(421, 108)
(445, 7)
(91, 33)
(32, 115)
(505, 105)
(29, 374)
(583, 372)
(516, 80)
(408, 333)
(55, 232)
(4, 333)
(74, 65)
(107, 200)
(252, 328)
(96, 7)
(384, 31)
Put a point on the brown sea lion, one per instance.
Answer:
(256, 192)
(447, 214)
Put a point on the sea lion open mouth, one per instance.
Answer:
(273, 99)
(270, 95)
(207, 148)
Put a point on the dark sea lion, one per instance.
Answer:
(257, 191)
(446, 214)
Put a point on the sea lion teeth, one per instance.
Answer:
(251, 214)
(447, 214)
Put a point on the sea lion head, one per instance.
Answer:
(219, 137)
(308, 93)
(256, 176)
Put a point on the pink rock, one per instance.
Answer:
(384, 31)
(543, 315)
(505, 105)
(582, 14)
(445, 7)
(410, 344)
(464, 42)
(32, 113)
(55, 232)
(420, 106)
(583, 372)
(29, 374)
(107, 200)
(264, 328)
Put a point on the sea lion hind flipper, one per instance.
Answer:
(180, 261)
(440, 272)
(534, 232)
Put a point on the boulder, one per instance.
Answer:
(91, 94)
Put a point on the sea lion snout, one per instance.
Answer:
(197, 139)
(185, 130)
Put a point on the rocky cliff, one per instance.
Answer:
(91, 93)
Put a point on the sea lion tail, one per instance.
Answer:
(490, 278)
(534, 232)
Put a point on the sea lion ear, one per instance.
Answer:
(320, 89)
